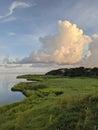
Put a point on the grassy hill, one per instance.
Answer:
(53, 103)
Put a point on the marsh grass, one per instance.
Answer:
(53, 103)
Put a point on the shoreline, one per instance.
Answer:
(52, 102)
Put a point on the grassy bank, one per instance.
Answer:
(53, 103)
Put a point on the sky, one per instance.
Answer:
(49, 33)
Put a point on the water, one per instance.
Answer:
(7, 81)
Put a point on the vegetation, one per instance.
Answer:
(53, 103)
(75, 72)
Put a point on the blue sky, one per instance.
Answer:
(23, 22)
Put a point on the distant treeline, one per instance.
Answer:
(75, 72)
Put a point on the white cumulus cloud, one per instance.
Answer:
(67, 46)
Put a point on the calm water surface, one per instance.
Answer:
(8, 80)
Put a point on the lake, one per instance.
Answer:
(8, 80)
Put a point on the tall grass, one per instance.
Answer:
(53, 103)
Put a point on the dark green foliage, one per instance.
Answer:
(75, 72)
(58, 93)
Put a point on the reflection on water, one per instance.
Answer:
(7, 80)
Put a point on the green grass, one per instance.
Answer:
(53, 103)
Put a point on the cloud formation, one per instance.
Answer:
(9, 60)
(11, 33)
(92, 61)
(15, 5)
(68, 46)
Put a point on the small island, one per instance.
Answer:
(63, 99)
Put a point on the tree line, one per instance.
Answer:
(75, 72)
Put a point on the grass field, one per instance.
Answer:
(53, 103)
